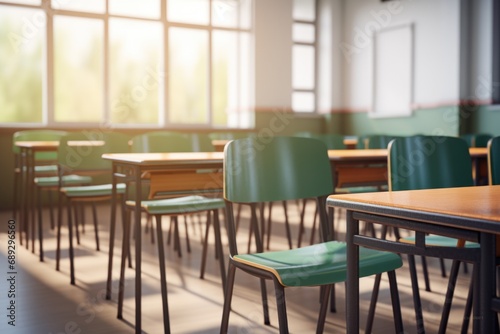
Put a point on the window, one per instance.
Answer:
(304, 35)
(163, 63)
(21, 51)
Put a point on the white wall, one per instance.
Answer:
(330, 74)
(479, 88)
(436, 48)
(273, 54)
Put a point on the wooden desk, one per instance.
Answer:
(369, 166)
(359, 167)
(170, 166)
(350, 143)
(470, 213)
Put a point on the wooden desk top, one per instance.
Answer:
(477, 206)
(156, 159)
(38, 145)
(352, 155)
(54, 144)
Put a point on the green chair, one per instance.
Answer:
(476, 139)
(161, 141)
(201, 142)
(167, 141)
(45, 162)
(291, 168)
(378, 141)
(172, 204)
(423, 162)
(51, 184)
(494, 160)
(82, 153)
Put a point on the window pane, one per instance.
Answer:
(225, 13)
(78, 69)
(21, 52)
(245, 14)
(25, 2)
(188, 11)
(304, 10)
(136, 78)
(188, 76)
(93, 6)
(303, 67)
(303, 102)
(245, 117)
(144, 8)
(303, 32)
(225, 75)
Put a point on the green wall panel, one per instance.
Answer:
(484, 119)
(438, 121)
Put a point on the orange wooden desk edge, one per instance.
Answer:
(478, 202)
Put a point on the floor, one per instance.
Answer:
(45, 302)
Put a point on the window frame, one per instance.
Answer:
(48, 100)
(314, 45)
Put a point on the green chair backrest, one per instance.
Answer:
(38, 135)
(201, 142)
(476, 140)
(285, 168)
(378, 141)
(161, 141)
(423, 162)
(231, 135)
(87, 155)
(333, 141)
(494, 160)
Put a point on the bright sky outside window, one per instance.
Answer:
(21, 52)
(78, 69)
(136, 71)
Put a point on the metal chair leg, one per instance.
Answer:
(396, 304)
(96, 229)
(426, 274)
(449, 296)
(228, 295)
(325, 293)
(373, 304)
(163, 275)
(279, 291)
(417, 303)
(71, 251)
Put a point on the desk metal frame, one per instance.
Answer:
(478, 222)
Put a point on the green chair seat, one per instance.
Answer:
(175, 206)
(93, 190)
(44, 169)
(440, 241)
(319, 264)
(67, 180)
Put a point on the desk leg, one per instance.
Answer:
(352, 294)
(485, 318)
(112, 234)
(138, 248)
